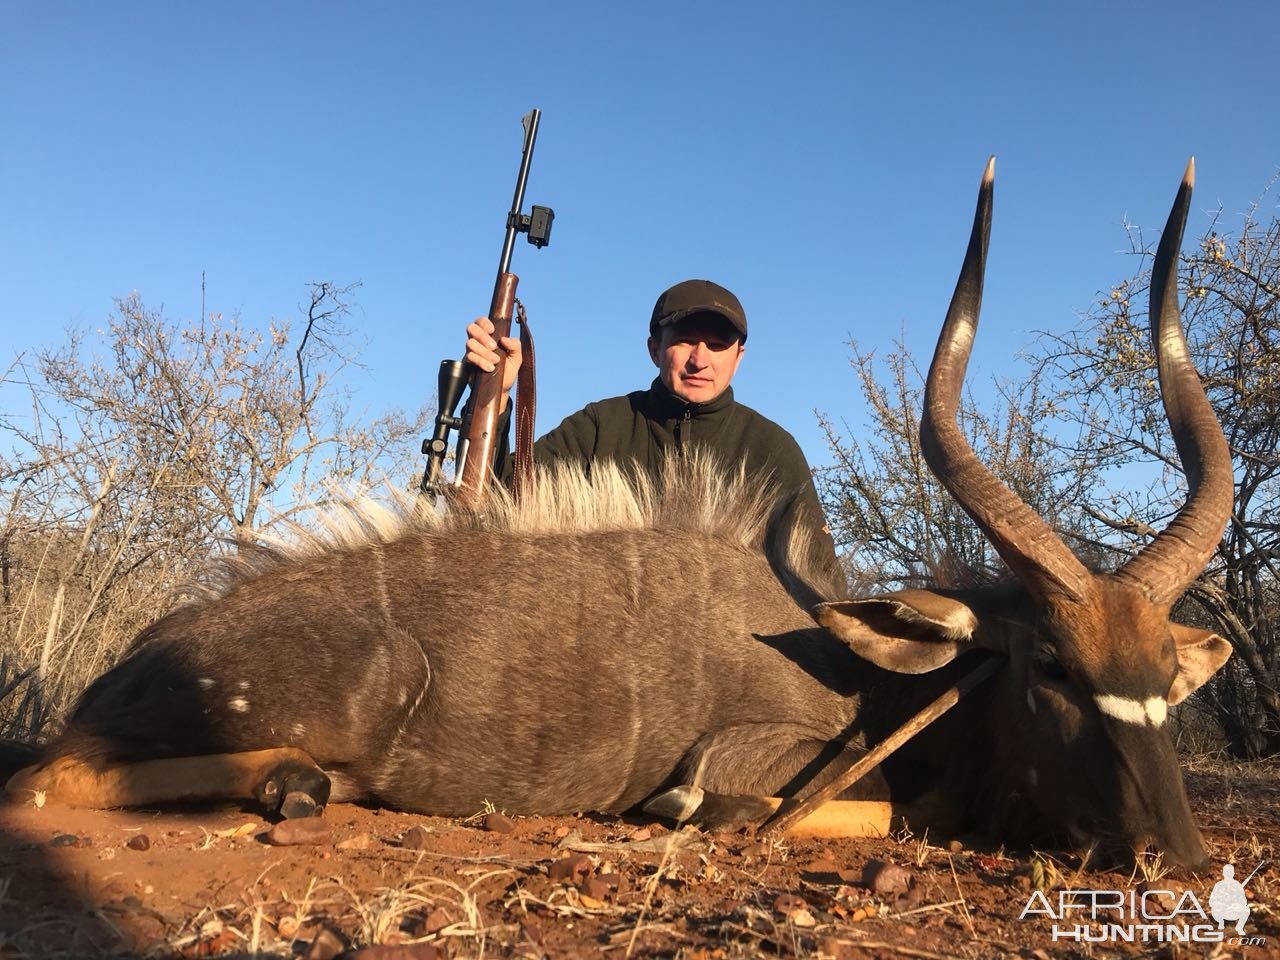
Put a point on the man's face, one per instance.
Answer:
(697, 357)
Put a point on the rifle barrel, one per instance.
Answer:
(530, 121)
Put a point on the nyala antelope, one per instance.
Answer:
(667, 631)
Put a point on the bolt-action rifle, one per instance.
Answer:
(477, 437)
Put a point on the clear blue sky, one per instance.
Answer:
(820, 159)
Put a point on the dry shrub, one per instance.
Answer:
(130, 464)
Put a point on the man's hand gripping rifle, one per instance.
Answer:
(477, 438)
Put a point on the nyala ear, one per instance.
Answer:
(910, 631)
(1201, 653)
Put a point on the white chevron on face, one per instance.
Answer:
(1152, 710)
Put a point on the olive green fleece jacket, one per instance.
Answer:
(644, 425)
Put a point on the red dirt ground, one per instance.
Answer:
(198, 883)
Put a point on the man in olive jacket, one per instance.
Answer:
(697, 338)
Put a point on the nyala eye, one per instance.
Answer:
(1049, 667)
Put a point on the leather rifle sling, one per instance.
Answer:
(526, 409)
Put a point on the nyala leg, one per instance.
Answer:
(283, 779)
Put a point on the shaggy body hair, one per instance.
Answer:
(695, 494)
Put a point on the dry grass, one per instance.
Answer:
(73, 610)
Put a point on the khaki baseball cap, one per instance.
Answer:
(689, 297)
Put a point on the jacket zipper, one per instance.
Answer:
(682, 425)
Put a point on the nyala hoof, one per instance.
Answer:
(298, 804)
(294, 789)
(710, 811)
(678, 803)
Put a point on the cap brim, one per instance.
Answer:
(687, 312)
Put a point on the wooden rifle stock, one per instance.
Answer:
(481, 430)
